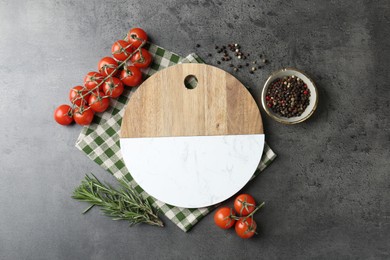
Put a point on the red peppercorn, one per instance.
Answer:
(269, 104)
(267, 98)
(305, 92)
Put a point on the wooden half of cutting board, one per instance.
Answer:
(164, 107)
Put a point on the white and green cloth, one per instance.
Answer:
(100, 142)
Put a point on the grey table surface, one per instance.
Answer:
(328, 192)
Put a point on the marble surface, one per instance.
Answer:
(192, 171)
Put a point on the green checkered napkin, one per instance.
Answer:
(100, 142)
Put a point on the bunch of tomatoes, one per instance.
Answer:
(241, 216)
(122, 69)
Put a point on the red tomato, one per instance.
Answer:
(121, 50)
(63, 115)
(78, 95)
(224, 218)
(244, 204)
(83, 116)
(92, 79)
(107, 65)
(131, 76)
(136, 36)
(98, 102)
(141, 59)
(245, 228)
(113, 87)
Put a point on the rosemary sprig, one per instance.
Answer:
(119, 204)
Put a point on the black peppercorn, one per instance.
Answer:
(288, 96)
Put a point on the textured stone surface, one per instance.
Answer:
(328, 192)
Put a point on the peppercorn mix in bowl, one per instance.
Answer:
(289, 96)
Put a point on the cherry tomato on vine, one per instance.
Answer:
(92, 79)
(244, 204)
(245, 228)
(98, 102)
(107, 65)
(224, 218)
(136, 36)
(83, 115)
(78, 95)
(141, 59)
(121, 50)
(113, 87)
(131, 76)
(63, 115)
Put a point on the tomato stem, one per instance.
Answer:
(256, 209)
(245, 205)
(251, 214)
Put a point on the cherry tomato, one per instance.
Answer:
(223, 218)
(107, 65)
(244, 204)
(92, 79)
(121, 50)
(245, 228)
(113, 87)
(63, 115)
(83, 115)
(131, 76)
(98, 102)
(141, 59)
(136, 36)
(78, 95)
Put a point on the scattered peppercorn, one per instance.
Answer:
(197, 45)
(236, 49)
(288, 96)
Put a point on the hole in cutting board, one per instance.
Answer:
(190, 82)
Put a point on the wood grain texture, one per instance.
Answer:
(219, 105)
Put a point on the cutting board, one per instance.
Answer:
(191, 147)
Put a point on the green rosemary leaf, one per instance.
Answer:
(119, 204)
